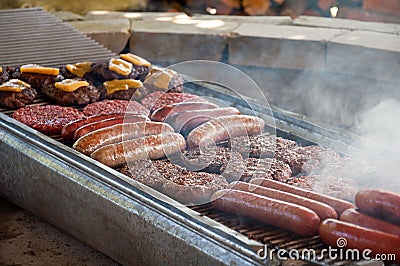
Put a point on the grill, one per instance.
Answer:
(33, 35)
(105, 208)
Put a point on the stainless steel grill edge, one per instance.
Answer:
(95, 205)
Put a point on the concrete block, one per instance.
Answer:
(68, 16)
(266, 20)
(348, 24)
(180, 39)
(366, 54)
(112, 33)
(101, 14)
(280, 46)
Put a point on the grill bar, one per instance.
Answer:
(33, 35)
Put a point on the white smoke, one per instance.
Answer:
(379, 144)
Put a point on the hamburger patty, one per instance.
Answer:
(307, 159)
(164, 79)
(260, 146)
(185, 186)
(14, 100)
(48, 119)
(216, 160)
(159, 99)
(266, 168)
(100, 72)
(115, 106)
(4, 75)
(342, 188)
(81, 96)
(38, 81)
(129, 94)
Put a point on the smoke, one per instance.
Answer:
(379, 145)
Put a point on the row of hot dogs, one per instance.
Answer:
(113, 139)
(374, 226)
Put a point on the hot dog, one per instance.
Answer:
(379, 203)
(364, 220)
(128, 118)
(69, 129)
(160, 114)
(117, 133)
(223, 128)
(289, 216)
(153, 147)
(186, 121)
(356, 237)
(323, 210)
(337, 204)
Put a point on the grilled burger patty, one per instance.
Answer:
(159, 99)
(15, 94)
(114, 106)
(100, 71)
(216, 160)
(260, 146)
(185, 186)
(82, 96)
(48, 119)
(266, 168)
(17, 99)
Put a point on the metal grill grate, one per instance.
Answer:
(34, 36)
(271, 236)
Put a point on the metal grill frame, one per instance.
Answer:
(104, 208)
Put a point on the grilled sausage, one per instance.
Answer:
(342, 234)
(223, 128)
(186, 121)
(69, 129)
(160, 114)
(117, 133)
(128, 118)
(379, 203)
(364, 220)
(153, 147)
(337, 204)
(289, 216)
(323, 210)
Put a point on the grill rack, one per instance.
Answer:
(113, 184)
(273, 237)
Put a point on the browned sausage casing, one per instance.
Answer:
(289, 216)
(364, 220)
(186, 121)
(160, 114)
(379, 203)
(117, 133)
(337, 204)
(323, 210)
(224, 128)
(128, 118)
(360, 238)
(153, 147)
(69, 129)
